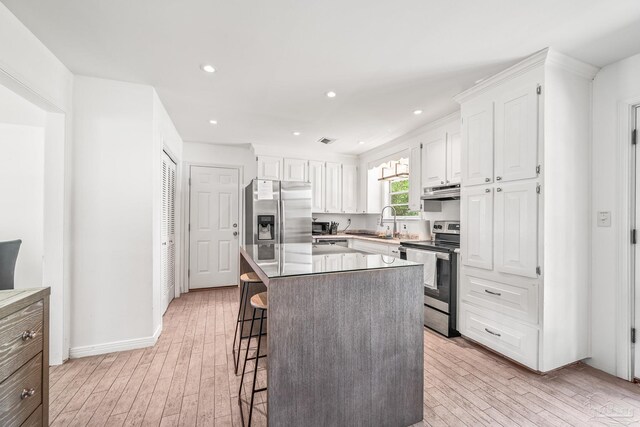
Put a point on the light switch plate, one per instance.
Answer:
(604, 219)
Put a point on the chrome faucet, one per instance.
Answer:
(395, 223)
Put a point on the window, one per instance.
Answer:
(399, 198)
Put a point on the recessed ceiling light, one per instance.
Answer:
(417, 112)
(331, 94)
(208, 68)
(361, 142)
(213, 122)
(296, 133)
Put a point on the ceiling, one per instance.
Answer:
(276, 59)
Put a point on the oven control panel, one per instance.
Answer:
(446, 227)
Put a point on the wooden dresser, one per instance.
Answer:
(24, 357)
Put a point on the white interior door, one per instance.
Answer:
(168, 230)
(213, 222)
(636, 348)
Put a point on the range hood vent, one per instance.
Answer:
(326, 140)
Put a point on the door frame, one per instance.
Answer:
(627, 276)
(186, 205)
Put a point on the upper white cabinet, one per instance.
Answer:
(415, 166)
(349, 188)
(296, 170)
(454, 147)
(516, 221)
(523, 159)
(333, 187)
(477, 143)
(434, 161)
(476, 222)
(316, 177)
(516, 134)
(269, 167)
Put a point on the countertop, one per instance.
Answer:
(358, 237)
(301, 259)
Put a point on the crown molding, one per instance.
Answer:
(572, 65)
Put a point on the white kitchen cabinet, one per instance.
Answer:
(415, 178)
(371, 247)
(434, 160)
(516, 234)
(476, 221)
(316, 177)
(269, 167)
(516, 134)
(333, 262)
(510, 301)
(477, 142)
(333, 187)
(296, 170)
(349, 188)
(375, 197)
(454, 146)
(319, 263)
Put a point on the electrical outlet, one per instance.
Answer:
(604, 219)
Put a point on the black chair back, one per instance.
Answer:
(8, 256)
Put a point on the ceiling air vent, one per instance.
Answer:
(327, 141)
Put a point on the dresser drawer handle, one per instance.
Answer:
(27, 393)
(492, 333)
(28, 335)
(493, 293)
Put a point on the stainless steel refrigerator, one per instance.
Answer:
(277, 212)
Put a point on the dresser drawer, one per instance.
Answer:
(515, 340)
(519, 301)
(16, 346)
(15, 405)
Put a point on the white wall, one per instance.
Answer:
(113, 216)
(22, 189)
(614, 84)
(30, 70)
(218, 154)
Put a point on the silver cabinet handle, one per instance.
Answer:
(28, 335)
(441, 182)
(498, 189)
(492, 293)
(447, 181)
(487, 180)
(235, 225)
(492, 333)
(235, 233)
(498, 178)
(488, 190)
(26, 393)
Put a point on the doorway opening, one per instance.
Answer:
(214, 227)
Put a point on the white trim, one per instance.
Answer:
(112, 347)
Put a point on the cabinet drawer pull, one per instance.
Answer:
(28, 335)
(491, 332)
(498, 189)
(492, 293)
(498, 178)
(487, 180)
(27, 393)
(487, 190)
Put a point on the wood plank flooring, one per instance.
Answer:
(187, 379)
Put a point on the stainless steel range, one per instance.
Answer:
(440, 274)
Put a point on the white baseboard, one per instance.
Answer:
(112, 347)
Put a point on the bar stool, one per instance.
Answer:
(246, 280)
(258, 302)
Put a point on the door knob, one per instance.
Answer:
(235, 233)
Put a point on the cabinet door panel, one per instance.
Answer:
(269, 167)
(295, 170)
(454, 145)
(349, 188)
(516, 139)
(333, 187)
(517, 229)
(434, 162)
(476, 222)
(415, 190)
(477, 144)
(316, 176)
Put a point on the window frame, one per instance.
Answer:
(388, 196)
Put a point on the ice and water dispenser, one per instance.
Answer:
(266, 227)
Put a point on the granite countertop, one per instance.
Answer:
(296, 259)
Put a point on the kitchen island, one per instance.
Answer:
(345, 335)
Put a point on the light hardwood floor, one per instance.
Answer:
(187, 379)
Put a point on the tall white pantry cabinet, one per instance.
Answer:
(525, 212)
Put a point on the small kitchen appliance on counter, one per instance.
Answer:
(441, 274)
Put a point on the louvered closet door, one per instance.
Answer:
(168, 230)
